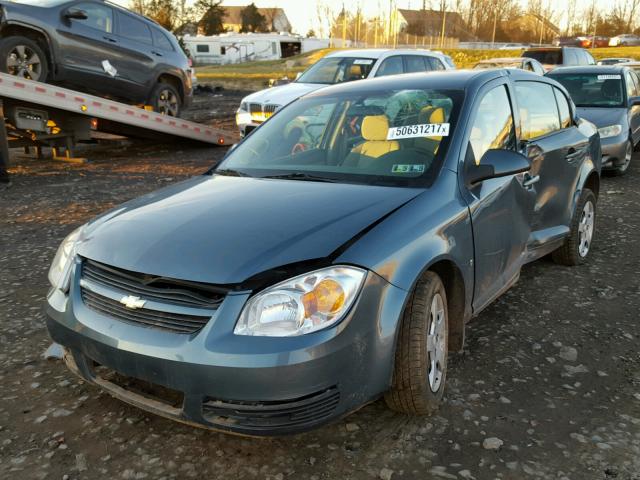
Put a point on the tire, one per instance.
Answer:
(23, 57)
(165, 99)
(574, 251)
(416, 388)
(622, 169)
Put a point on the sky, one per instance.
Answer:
(303, 13)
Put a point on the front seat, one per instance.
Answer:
(375, 129)
(430, 114)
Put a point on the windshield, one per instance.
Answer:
(41, 3)
(395, 138)
(487, 65)
(337, 70)
(593, 89)
(548, 57)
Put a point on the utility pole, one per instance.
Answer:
(495, 24)
(444, 16)
(344, 27)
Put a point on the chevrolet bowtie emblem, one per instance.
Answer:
(132, 302)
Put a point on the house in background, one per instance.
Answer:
(428, 23)
(275, 19)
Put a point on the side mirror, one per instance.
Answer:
(634, 101)
(75, 14)
(497, 163)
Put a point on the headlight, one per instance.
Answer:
(303, 304)
(610, 131)
(242, 115)
(61, 266)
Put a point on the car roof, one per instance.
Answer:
(381, 52)
(618, 68)
(503, 60)
(439, 80)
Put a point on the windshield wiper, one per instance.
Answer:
(301, 176)
(230, 173)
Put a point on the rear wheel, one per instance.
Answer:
(22, 57)
(577, 246)
(165, 99)
(421, 352)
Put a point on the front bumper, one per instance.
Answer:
(613, 151)
(247, 385)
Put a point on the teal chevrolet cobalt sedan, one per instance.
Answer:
(334, 256)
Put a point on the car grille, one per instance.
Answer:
(260, 112)
(269, 416)
(199, 301)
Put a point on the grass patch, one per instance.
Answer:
(265, 70)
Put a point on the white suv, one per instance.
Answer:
(337, 67)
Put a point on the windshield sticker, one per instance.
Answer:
(363, 61)
(407, 169)
(602, 78)
(416, 131)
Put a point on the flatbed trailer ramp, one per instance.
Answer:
(62, 106)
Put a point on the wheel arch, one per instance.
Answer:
(37, 35)
(174, 81)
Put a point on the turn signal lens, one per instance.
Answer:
(327, 298)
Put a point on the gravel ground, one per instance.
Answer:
(548, 385)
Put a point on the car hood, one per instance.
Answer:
(603, 117)
(283, 94)
(225, 230)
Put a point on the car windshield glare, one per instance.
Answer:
(338, 70)
(593, 89)
(393, 137)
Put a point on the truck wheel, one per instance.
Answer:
(22, 57)
(165, 99)
(421, 351)
(577, 245)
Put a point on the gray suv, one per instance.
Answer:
(97, 47)
(552, 57)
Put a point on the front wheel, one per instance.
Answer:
(22, 57)
(165, 99)
(624, 166)
(577, 245)
(421, 352)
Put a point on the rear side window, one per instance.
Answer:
(570, 57)
(99, 17)
(590, 59)
(133, 29)
(202, 48)
(415, 63)
(563, 109)
(537, 108)
(390, 66)
(160, 40)
(434, 63)
(492, 127)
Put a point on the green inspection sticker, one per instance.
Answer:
(401, 168)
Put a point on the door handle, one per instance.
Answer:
(529, 180)
(157, 54)
(112, 40)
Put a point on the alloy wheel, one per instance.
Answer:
(585, 228)
(167, 103)
(23, 62)
(436, 343)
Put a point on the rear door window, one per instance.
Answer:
(631, 86)
(133, 29)
(415, 63)
(434, 63)
(538, 111)
(391, 66)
